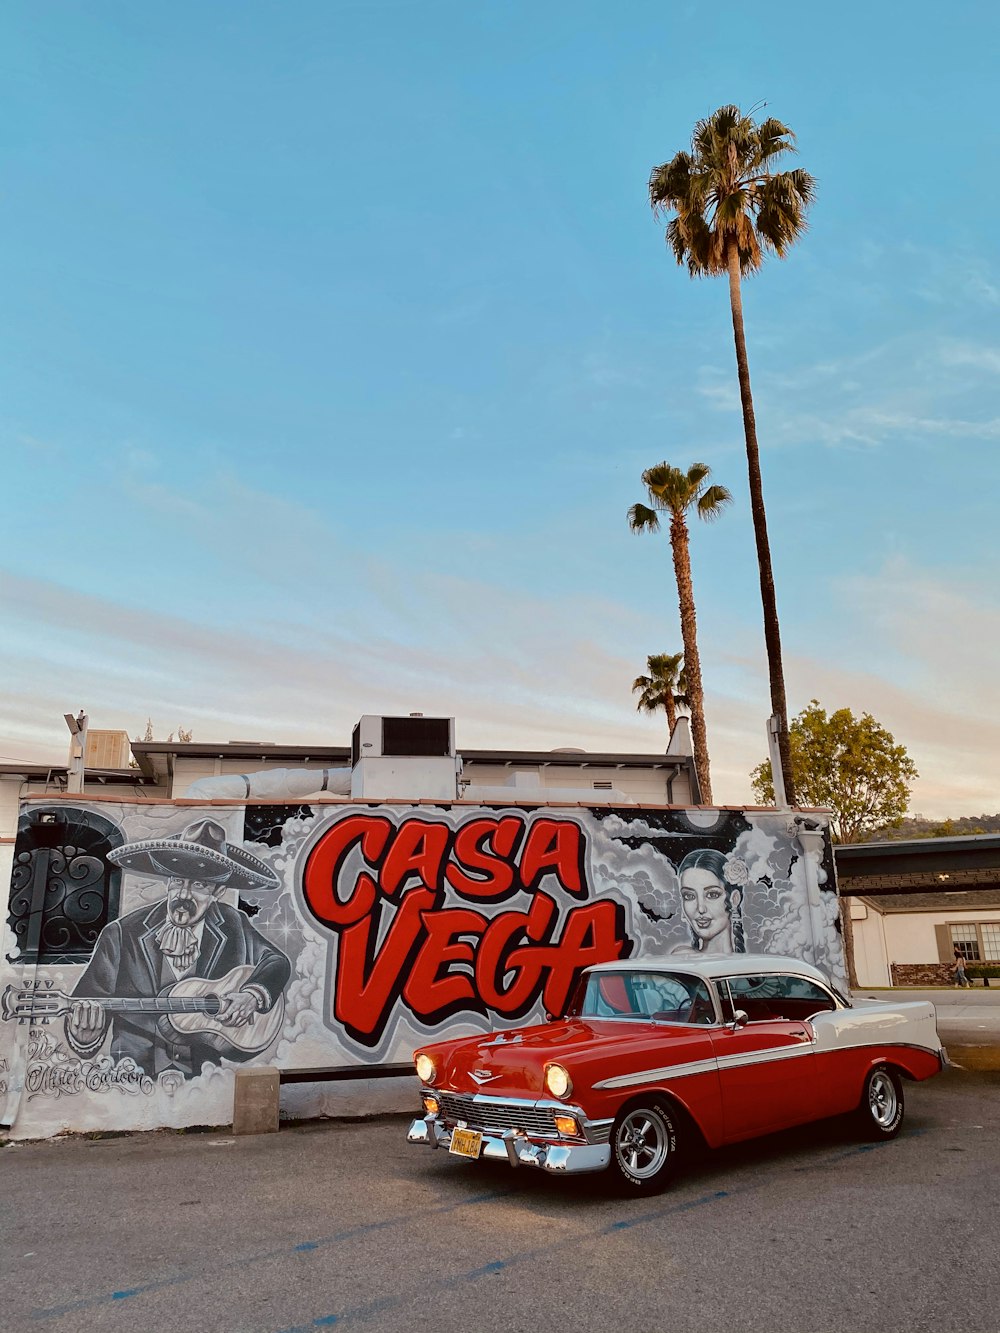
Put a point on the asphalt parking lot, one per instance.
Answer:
(344, 1224)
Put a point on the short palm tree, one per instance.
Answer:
(675, 492)
(660, 688)
(731, 208)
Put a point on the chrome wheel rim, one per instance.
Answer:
(882, 1100)
(642, 1144)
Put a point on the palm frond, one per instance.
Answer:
(659, 476)
(643, 519)
(665, 666)
(773, 139)
(669, 183)
(712, 502)
(656, 689)
(723, 191)
(697, 473)
(782, 201)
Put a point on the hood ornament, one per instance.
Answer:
(482, 1076)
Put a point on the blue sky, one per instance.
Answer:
(336, 336)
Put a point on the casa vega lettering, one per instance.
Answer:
(399, 943)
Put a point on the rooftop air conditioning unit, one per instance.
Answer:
(108, 749)
(404, 758)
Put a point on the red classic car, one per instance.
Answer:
(652, 1053)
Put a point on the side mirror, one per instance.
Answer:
(739, 1020)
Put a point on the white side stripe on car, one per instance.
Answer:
(706, 1066)
(653, 1075)
(737, 1061)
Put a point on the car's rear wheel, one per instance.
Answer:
(644, 1147)
(881, 1111)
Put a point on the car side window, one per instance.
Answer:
(800, 998)
(766, 998)
(668, 996)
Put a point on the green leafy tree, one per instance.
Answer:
(730, 209)
(850, 765)
(664, 687)
(675, 492)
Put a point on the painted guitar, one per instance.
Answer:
(188, 1006)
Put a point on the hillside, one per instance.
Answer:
(917, 826)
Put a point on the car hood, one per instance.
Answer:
(513, 1063)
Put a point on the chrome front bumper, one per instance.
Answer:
(517, 1149)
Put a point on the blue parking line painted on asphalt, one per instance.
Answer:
(365, 1311)
(495, 1266)
(402, 1299)
(485, 1271)
(386, 1303)
(324, 1321)
(304, 1247)
(860, 1148)
(624, 1223)
(122, 1294)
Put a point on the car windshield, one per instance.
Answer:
(668, 996)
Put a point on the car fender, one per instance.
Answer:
(850, 1042)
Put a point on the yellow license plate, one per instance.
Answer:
(466, 1142)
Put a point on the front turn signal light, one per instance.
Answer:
(567, 1124)
(431, 1105)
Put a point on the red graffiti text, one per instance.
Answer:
(399, 943)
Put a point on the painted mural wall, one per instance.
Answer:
(151, 949)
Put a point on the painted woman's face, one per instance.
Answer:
(704, 901)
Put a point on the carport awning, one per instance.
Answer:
(919, 865)
(950, 901)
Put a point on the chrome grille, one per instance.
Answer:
(495, 1115)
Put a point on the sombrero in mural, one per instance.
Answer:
(198, 852)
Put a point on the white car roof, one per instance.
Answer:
(720, 965)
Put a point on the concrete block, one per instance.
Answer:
(255, 1101)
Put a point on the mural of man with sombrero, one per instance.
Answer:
(154, 952)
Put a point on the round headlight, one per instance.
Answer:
(425, 1068)
(558, 1081)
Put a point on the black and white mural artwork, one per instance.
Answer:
(151, 949)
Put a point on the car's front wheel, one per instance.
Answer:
(881, 1111)
(644, 1147)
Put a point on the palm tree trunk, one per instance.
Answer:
(772, 635)
(847, 936)
(671, 710)
(692, 662)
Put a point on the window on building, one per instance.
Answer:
(63, 890)
(965, 939)
(989, 933)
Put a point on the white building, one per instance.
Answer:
(913, 903)
(168, 769)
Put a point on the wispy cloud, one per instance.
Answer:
(971, 354)
(720, 392)
(921, 653)
(944, 275)
(513, 670)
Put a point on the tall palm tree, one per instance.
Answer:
(731, 208)
(660, 688)
(675, 492)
